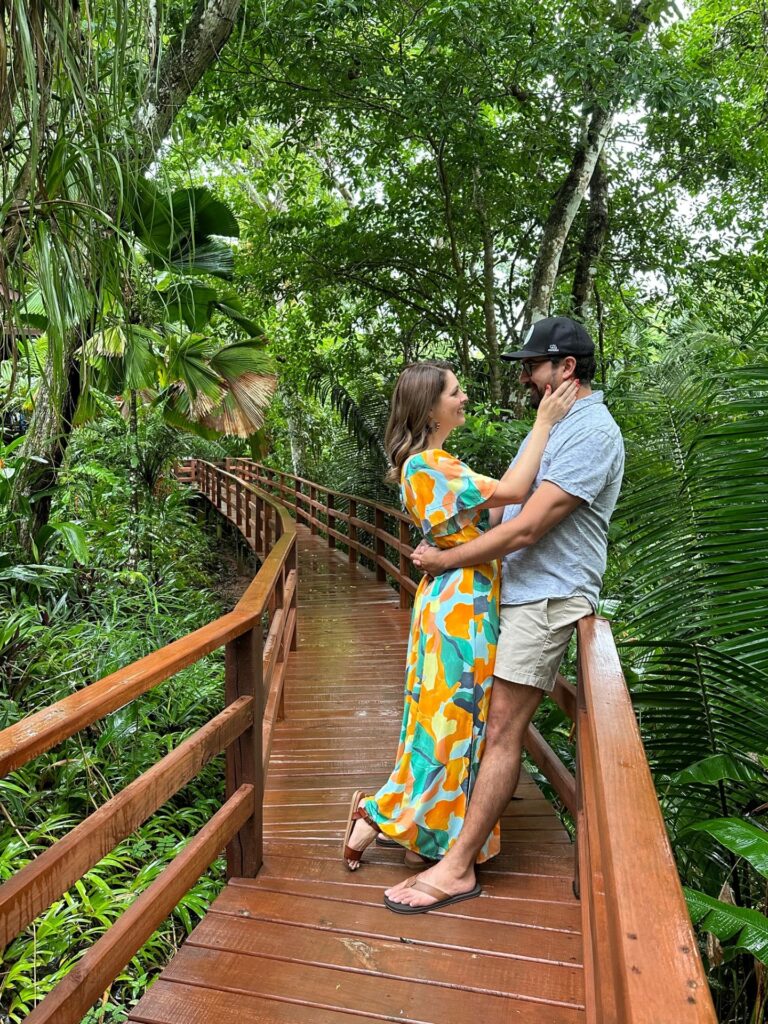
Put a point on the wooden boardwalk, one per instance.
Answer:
(307, 941)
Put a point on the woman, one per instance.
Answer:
(455, 622)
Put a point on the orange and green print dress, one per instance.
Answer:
(449, 669)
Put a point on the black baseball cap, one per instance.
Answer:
(554, 336)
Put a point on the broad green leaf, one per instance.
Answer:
(740, 837)
(718, 767)
(207, 214)
(242, 357)
(207, 257)
(74, 539)
(747, 928)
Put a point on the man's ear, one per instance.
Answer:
(569, 367)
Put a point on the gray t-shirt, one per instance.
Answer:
(585, 457)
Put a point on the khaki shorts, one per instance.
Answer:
(534, 638)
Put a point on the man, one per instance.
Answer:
(554, 550)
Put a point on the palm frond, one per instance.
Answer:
(364, 415)
(691, 559)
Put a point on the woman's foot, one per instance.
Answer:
(360, 832)
(361, 838)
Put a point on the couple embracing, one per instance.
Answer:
(485, 647)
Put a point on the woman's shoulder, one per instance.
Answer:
(428, 458)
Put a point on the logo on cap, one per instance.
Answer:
(553, 348)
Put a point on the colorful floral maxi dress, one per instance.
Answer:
(449, 668)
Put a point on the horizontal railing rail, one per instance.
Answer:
(642, 963)
(257, 637)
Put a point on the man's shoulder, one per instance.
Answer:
(591, 423)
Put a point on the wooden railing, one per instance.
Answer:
(641, 957)
(369, 531)
(254, 671)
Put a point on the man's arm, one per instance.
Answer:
(547, 507)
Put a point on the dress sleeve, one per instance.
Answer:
(437, 486)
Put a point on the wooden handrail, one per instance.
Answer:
(69, 1000)
(39, 732)
(242, 730)
(40, 882)
(650, 968)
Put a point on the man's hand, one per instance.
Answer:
(428, 559)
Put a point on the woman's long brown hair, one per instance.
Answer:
(417, 390)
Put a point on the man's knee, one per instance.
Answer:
(513, 705)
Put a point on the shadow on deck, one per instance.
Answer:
(306, 940)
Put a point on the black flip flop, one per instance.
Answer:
(442, 898)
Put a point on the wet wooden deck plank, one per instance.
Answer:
(309, 941)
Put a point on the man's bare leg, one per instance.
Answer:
(512, 708)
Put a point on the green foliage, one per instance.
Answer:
(743, 928)
(740, 837)
(79, 615)
(687, 569)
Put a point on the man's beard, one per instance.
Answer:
(534, 396)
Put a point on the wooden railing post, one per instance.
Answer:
(331, 520)
(299, 504)
(352, 532)
(258, 524)
(292, 564)
(405, 538)
(218, 490)
(247, 522)
(267, 530)
(243, 678)
(312, 526)
(378, 545)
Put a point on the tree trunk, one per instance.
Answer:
(563, 212)
(458, 269)
(489, 291)
(595, 231)
(185, 62)
(134, 455)
(47, 438)
(571, 193)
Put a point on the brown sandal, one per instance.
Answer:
(442, 899)
(356, 812)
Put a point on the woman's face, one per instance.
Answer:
(448, 411)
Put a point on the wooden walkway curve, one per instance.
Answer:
(309, 941)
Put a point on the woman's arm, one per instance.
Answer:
(515, 485)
